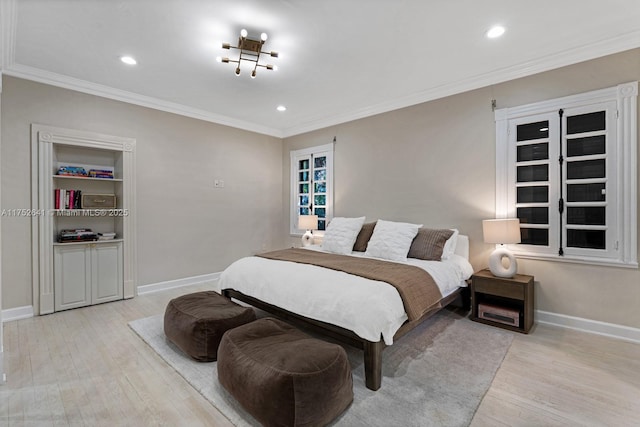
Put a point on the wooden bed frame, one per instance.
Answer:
(372, 350)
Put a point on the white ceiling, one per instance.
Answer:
(340, 60)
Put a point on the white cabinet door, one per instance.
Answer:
(87, 274)
(106, 272)
(72, 276)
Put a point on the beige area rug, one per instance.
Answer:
(436, 375)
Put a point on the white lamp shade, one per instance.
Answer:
(501, 231)
(308, 222)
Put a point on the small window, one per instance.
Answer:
(311, 185)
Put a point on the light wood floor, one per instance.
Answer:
(560, 377)
(86, 367)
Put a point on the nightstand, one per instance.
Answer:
(505, 303)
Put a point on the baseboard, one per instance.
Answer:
(612, 330)
(26, 312)
(17, 313)
(178, 283)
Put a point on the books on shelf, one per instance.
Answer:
(83, 235)
(72, 171)
(101, 173)
(77, 235)
(67, 199)
(79, 171)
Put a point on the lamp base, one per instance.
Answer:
(495, 263)
(307, 238)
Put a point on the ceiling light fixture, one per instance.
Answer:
(496, 31)
(250, 50)
(281, 108)
(128, 60)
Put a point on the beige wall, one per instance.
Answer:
(434, 163)
(185, 227)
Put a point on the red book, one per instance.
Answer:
(56, 199)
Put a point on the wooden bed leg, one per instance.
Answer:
(465, 294)
(373, 364)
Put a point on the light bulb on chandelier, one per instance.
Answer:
(250, 51)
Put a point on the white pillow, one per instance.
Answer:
(450, 245)
(341, 234)
(391, 240)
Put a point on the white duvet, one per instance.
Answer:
(367, 307)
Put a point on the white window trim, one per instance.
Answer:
(293, 202)
(626, 97)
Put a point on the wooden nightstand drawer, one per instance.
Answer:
(498, 287)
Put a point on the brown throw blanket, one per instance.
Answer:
(416, 287)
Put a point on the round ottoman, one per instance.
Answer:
(196, 322)
(282, 376)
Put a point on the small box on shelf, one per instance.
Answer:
(98, 201)
(505, 315)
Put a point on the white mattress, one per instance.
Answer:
(336, 297)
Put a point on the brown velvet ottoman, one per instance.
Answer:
(196, 322)
(282, 376)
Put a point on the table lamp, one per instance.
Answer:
(307, 222)
(502, 231)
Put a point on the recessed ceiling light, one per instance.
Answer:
(495, 31)
(281, 108)
(128, 60)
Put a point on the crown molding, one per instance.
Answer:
(560, 59)
(59, 80)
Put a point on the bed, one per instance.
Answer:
(361, 311)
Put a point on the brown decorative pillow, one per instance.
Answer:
(428, 244)
(363, 237)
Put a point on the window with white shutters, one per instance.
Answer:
(567, 169)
